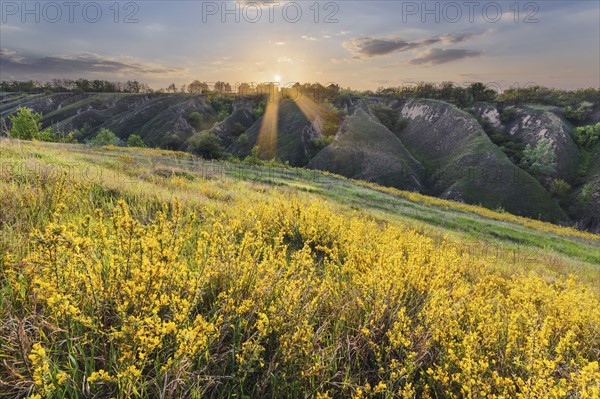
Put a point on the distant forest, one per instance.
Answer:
(577, 105)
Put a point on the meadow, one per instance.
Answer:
(149, 273)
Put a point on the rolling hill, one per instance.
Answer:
(428, 146)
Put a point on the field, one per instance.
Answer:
(149, 273)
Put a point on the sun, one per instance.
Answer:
(277, 78)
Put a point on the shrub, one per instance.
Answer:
(135, 140)
(105, 137)
(540, 159)
(26, 124)
(223, 114)
(508, 114)
(585, 162)
(585, 196)
(238, 129)
(587, 136)
(243, 139)
(206, 145)
(195, 119)
(401, 123)
(323, 141)
(254, 157)
(172, 141)
(259, 111)
(559, 188)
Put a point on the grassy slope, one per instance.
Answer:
(276, 283)
(513, 243)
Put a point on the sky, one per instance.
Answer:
(357, 44)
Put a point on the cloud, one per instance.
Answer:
(436, 56)
(11, 62)
(279, 43)
(10, 55)
(365, 47)
(312, 38)
(8, 27)
(285, 60)
(454, 38)
(369, 47)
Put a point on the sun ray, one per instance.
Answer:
(267, 136)
(309, 108)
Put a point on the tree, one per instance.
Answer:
(172, 88)
(105, 137)
(540, 159)
(25, 124)
(206, 145)
(197, 87)
(222, 87)
(135, 140)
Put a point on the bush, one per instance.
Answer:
(585, 162)
(401, 123)
(254, 157)
(171, 141)
(135, 140)
(585, 196)
(587, 136)
(105, 137)
(238, 129)
(195, 119)
(559, 188)
(508, 115)
(259, 111)
(223, 114)
(26, 124)
(206, 145)
(323, 141)
(243, 139)
(541, 159)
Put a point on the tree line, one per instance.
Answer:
(71, 85)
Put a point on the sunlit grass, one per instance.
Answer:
(148, 279)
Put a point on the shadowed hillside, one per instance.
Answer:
(530, 124)
(464, 165)
(367, 150)
(295, 135)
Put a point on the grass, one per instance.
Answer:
(147, 273)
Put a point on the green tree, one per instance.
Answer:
(206, 145)
(105, 137)
(540, 159)
(135, 140)
(25, 124)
